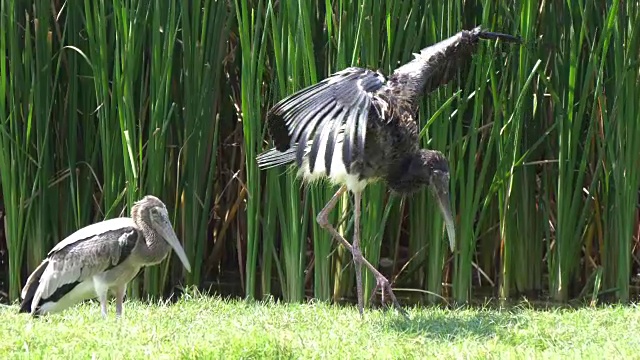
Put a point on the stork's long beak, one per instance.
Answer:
(440, 189)
(487, 35)
(166, 231)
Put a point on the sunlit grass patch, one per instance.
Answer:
(214, 327)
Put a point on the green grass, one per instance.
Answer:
(214, 328)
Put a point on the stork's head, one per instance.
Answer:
(427, 167)
(437, 167)
(152, 212)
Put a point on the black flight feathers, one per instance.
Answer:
(337, 105)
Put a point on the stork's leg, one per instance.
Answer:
(323, 220)
(102, 296)
(357, 253)
(120, 291)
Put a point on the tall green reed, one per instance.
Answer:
(45, 72)
(150, 148)
(76, 134)
(202, 53)
(16, 160)
(101, 42)
(575, 74)
(621, 125)
(251, 31)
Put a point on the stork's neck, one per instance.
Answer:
(154, 249)
(407, 175)
(415, 170)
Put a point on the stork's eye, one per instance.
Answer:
(154, 211)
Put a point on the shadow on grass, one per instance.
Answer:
(449, 326)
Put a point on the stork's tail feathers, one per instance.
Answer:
(30, 288)
(272, 158)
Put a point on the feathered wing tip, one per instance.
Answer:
(272, 158)
(489, 35)
(438, 64)
(30, 288)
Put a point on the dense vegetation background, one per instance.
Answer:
(102, 102)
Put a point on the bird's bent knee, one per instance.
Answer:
(322, 220)
(357, 254)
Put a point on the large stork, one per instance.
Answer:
(356, 127)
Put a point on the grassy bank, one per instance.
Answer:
(216, 328)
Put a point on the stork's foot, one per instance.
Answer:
(385, 286)
(358, 259)
(381, 283)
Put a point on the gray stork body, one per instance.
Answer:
(356, 127)
(102, 257)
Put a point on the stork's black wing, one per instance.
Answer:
(437, 64)
(338, 105)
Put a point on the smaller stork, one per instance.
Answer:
(101, 257)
